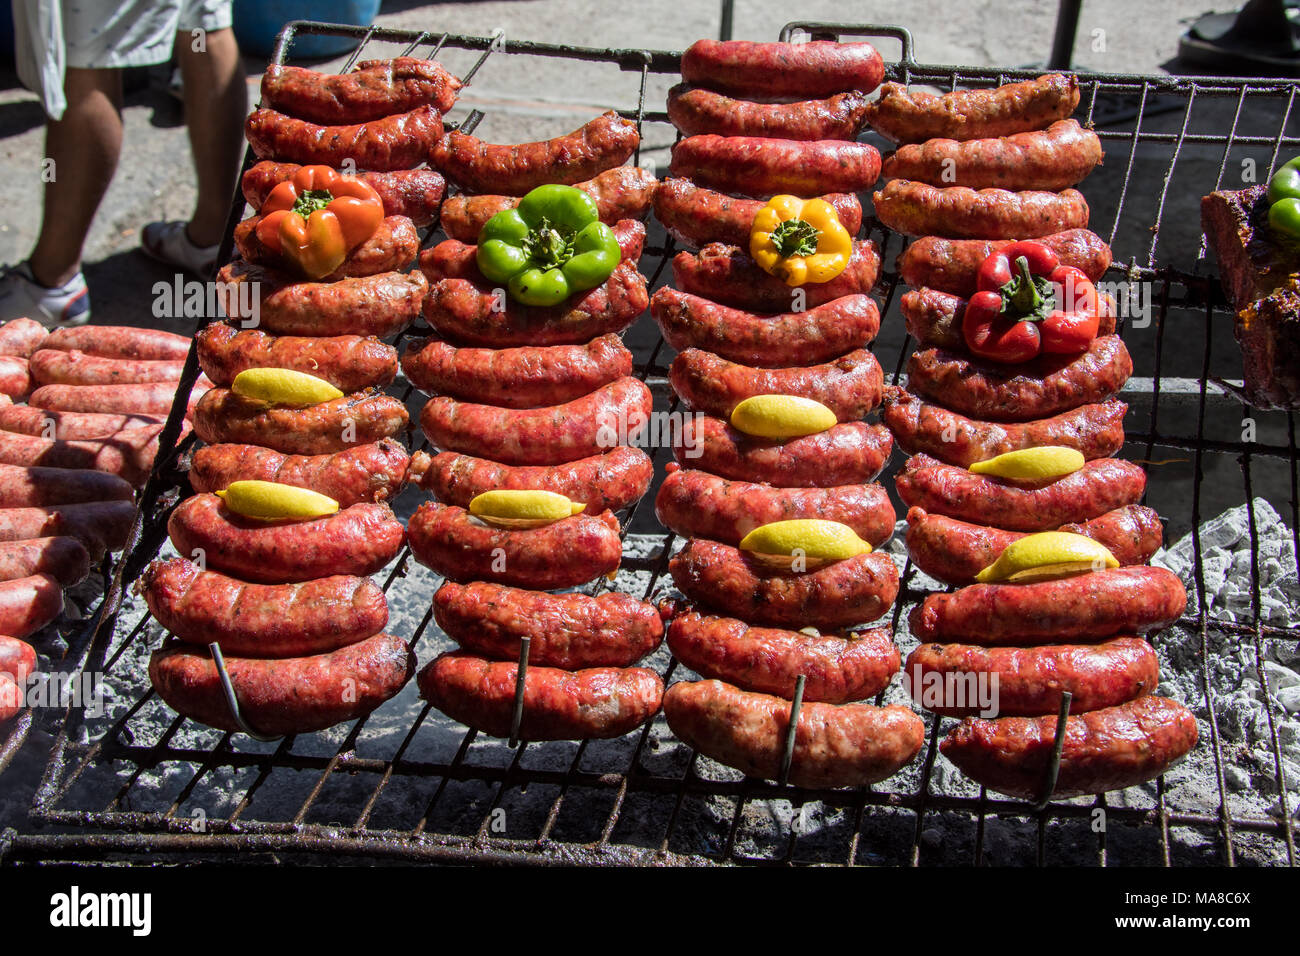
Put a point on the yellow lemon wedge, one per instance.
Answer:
(513, 508)
(1046, 557)
(781, 416)
(272, 501)
(803, 543)
(282, 386)
(1032, 464)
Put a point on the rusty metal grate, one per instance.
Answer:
(407, 783)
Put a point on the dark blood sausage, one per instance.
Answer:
(1101, 485)
(919, 427)
(17, 658)
(549, 435)
(854, 591)
(696, 504)
(592, 703)
(468, 313)
(851, 386)
(357, 419)
(375, 89)
(60, 556)
(121, 342)
(727, 275)
(56, 367)
(1085, 607)
(756, 166)
(28, 604)
(917, 209)
(973, 114)
(564, 554)
(1054, 158)
(25, 486)
(1107, 749)
(838, 668)
(21, 337)
(99, 525)
(934, 318)
(150, 398)
(413, 193)
(696, 216)
(777, 70)
(129, 454)
(608, 482)
(453, 259)
(379, 305)
(696, 111)
(27, 420)
(954, 551)
(1042, 387)
(358, 541)
(820, 334)
(1030, 680)
(624, 192)
(514, 169)
(400, 141)
(372, 472)
(392, 246)
(348, 362)
(291, 695)
(524, 377)
(263, 620)
(850, 453)
(571, 631)
(950, 265)
(848, 745)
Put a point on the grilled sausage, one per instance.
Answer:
(12, 698)
(850, 453)
(624, 192)
(934, 318)
(1107, 749)
(471, 314)
(453, 259)
(528, 377)
(56, 367)
(291, 695)
(567, 553)
(727, 275)
(479, 167)
(1030, 680)
(128, 454)
(780, 70)
(820, 334)
(28, 604)
(21, 337)
(63, 558)
(373, 472)
(549, 435)
(17, 659)
(348, 362)
(849, 745)
(1051, 159)
(973, 114)
(1085, 607)
(100, 526)
(1101, 485)
(380, 305)
(262, 620)
(27, 486)
(837, 668)
(413, 193)
(399, 141)
(917, 209)
(358, 540)
(954, 551)
(851, 386)
(593, 703)
(358, 419)
(1097, 431)
(375, 89)
(756, 166)
(951, 265)
(854, 591)
(120, 342)
(26, 420)
(571, 631)
(391, 247)
(695, 216)
(16, 379)
(696, 111)
(696, 504)
(151, 398)
(608, 482)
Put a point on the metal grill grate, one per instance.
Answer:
(407, 783)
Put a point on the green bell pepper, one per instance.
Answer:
(549, 247)
(1284, 200)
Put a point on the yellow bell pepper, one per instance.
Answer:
(800, 240)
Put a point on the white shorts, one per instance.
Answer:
(134, 32)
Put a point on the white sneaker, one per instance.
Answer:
(169, 243)
(21, 296)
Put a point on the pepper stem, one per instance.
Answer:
(311, 200)
(1026, 298)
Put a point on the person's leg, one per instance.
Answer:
(216, 102)
(84, 146)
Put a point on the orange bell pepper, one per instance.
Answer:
(318, 216)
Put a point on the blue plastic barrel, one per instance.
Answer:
(258, 22)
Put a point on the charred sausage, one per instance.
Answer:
(918, 209)
(697, 111)
(973, 114)
(222, 416)
(373, 472)
(375, 89)
(400, 141)
(781, 70)
(348, 362)
(1051, 159)
(757, 166)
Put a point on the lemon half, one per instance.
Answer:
(282, 386)
(515, 508)
(803, 542)
(1047, 556)
(272, 501)
(1032, 464)
(781, 416)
